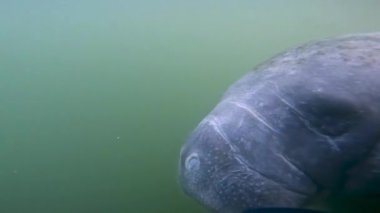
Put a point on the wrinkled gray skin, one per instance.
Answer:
(304, 122)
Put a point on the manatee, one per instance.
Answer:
(303, 125)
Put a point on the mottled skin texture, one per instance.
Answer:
(305, 122)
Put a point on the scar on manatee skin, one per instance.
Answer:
(254, 114)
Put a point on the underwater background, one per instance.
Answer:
(97, 97)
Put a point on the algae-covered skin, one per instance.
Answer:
(303, 123)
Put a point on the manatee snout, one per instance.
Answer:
(212, 172)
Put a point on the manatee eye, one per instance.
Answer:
(192, 162)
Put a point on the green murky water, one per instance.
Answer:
(96, 97)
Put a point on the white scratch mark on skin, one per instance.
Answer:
(308, 125)
(215, 123)
(283, 100)
(312, 129)
(291, 164)
(315, 131)
(254, 114)
(301, 116)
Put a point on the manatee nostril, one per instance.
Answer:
(192, 162)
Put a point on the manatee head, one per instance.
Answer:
(301, 124)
